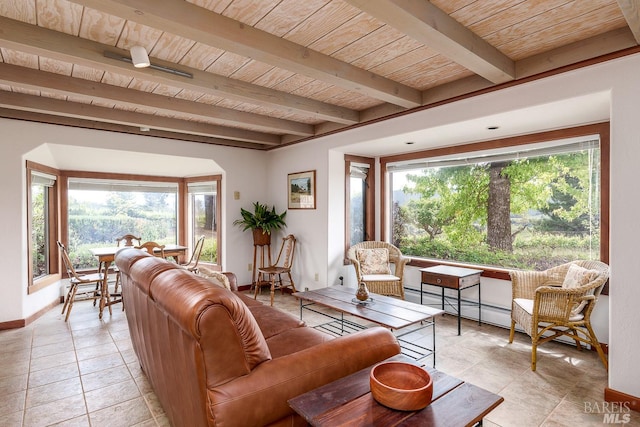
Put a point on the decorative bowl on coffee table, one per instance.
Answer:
(402, 386)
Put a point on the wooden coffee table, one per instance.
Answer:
(391, 313)
(348, 401)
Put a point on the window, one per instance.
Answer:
(101, 210)
(42, 215)
(359, 204)
(527, 206)
(203, 217)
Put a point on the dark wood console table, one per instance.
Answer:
(457, 278)
(348, 401)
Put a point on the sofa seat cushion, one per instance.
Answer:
(295, 340)
(247, 300)
(273, 321)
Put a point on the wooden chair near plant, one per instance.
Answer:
(192, 264)
(371, 260)
(558, 302)
(262, 221)
(78, 282)
(272, 275)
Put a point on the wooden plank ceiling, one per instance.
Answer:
(267, 73)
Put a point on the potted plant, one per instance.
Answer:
(262, 221)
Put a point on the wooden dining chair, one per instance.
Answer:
(127, 241)
(153, 248)
(192, 264)
(78, 282)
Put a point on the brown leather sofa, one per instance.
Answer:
(217, 357)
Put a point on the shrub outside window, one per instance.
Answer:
(102, 210)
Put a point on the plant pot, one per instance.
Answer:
(260, 238)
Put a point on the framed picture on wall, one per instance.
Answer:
(301, 187)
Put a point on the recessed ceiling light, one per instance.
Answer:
(493, 127)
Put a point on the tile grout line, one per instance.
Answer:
(84, 394)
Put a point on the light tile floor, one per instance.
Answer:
(85, 373)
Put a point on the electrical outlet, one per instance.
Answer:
(249, 267)
(306, 289)
(317, 277)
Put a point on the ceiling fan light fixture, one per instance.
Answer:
(139, 57)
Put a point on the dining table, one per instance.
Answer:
(106, 257)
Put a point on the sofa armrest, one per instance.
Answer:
(261, 397)
(233, 280)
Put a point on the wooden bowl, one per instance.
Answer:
(401, 386)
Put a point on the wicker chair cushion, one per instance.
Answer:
(576, 277)
(373, 261)
(380, 278)
(215, 277)
(527, 305)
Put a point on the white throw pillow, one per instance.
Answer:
(215, 277)
(578, 276)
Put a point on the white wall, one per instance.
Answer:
(262, 177)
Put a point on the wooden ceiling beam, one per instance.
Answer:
(35, 40)
(29, 78)
(201, 25)
(596, 49)
(65, 108)
(631, 11)
(424, 22)
(113, 127)
(576, 52)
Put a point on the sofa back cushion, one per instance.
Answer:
(189, 334)
(224, 327)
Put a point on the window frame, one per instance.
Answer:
(370, 195)
(601, 129)
(185, 213)
(182, 200)
(54, 274)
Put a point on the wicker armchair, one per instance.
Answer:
(546, 309)
(384, 284)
